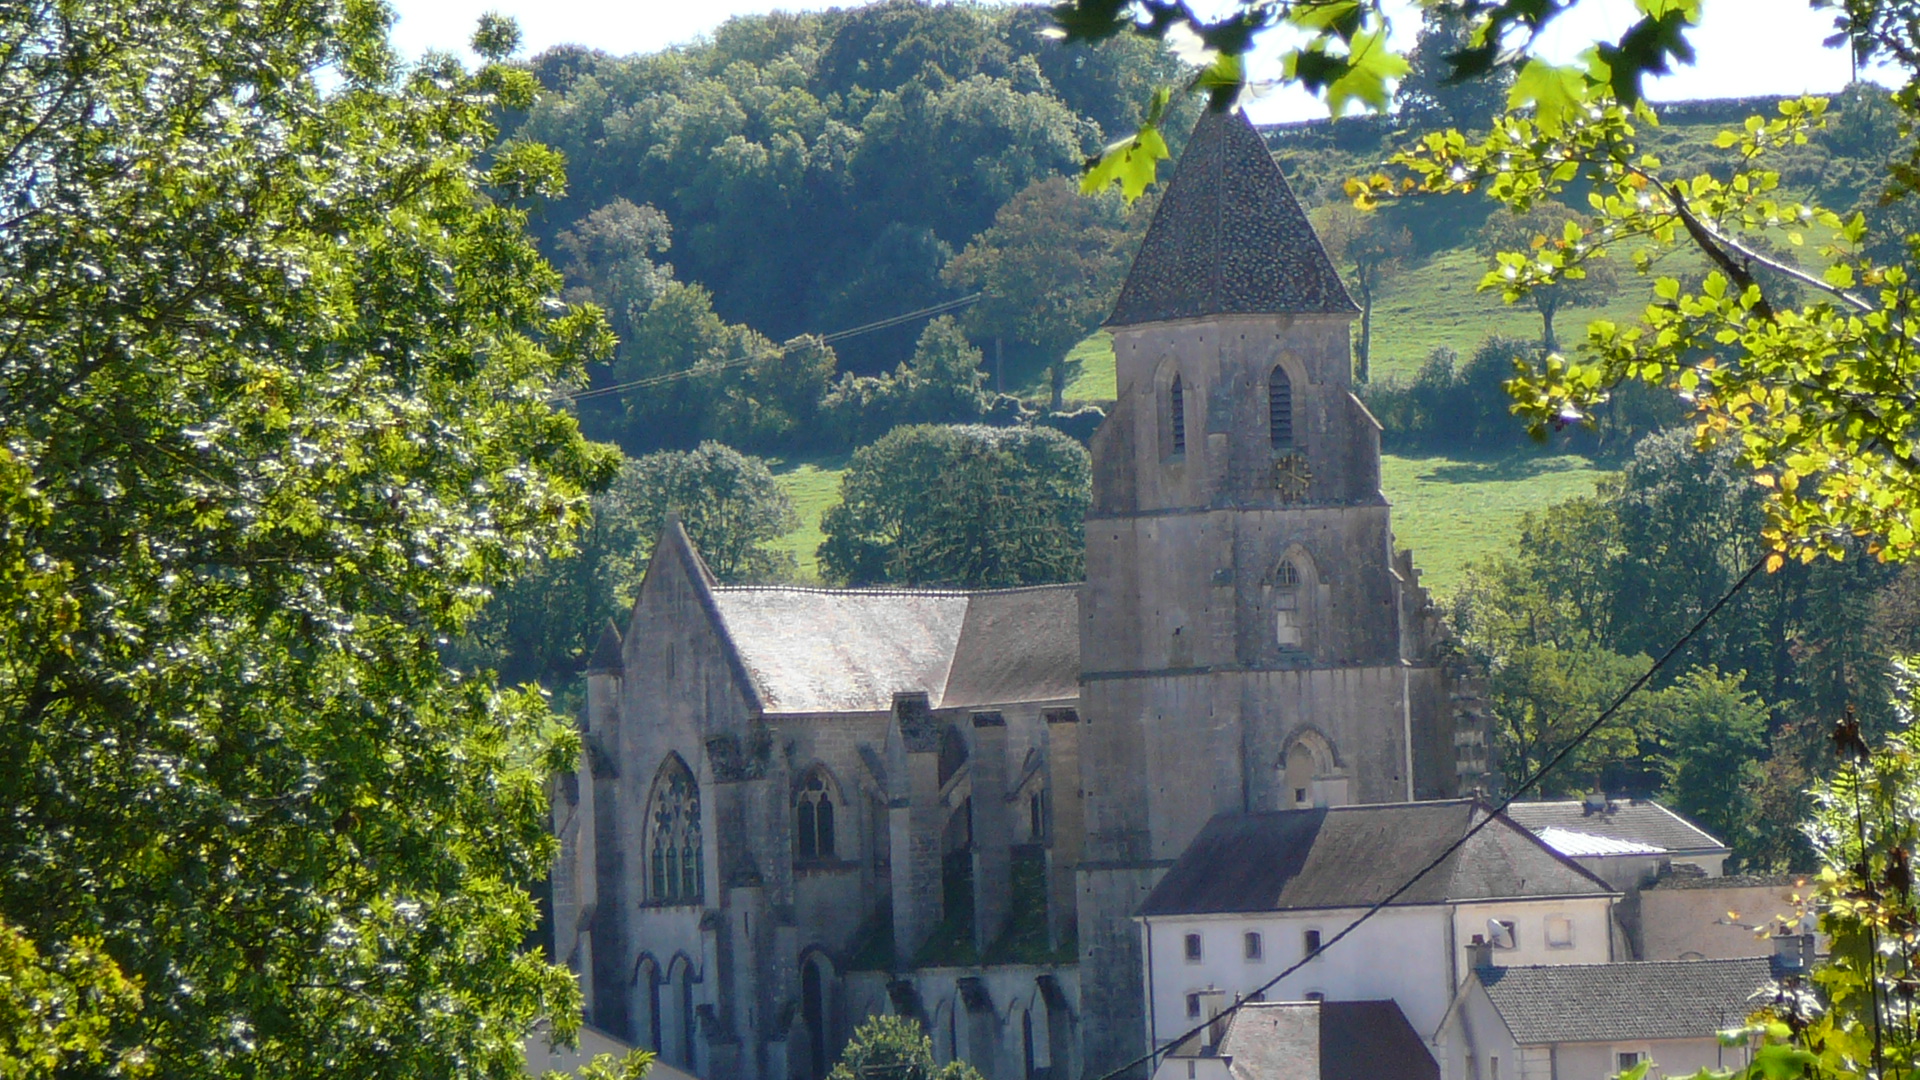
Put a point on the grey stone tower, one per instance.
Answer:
(1249, 640)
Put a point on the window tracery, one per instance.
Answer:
(813, 817)
(674, 850)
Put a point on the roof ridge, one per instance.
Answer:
(1636, 963)
(905, 591)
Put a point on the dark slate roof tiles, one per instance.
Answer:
(1229, 238)
(1331, 1040)
(1356, 856)
(1651, 999)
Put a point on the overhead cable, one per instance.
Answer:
(1529, 784)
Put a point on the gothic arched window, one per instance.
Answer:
(1280, 409)
(673, 821)
(1177, 412)
(813, 814)
(1286, 575)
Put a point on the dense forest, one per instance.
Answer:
(859, 232)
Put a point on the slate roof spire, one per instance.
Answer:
(1229, 238)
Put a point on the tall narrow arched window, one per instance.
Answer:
(674, 851)
(1280, 409)
(1177, 413)
(813, 817)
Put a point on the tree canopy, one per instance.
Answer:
(967, 506)
(278, 360)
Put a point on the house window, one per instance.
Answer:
(1627, 1059)
(1505, 934)
(674, 848)
(1193, 948)
(1037, 817)
(1559, 932)
(1177, 407)
(1493, 1067)
(1280, 409)
(1310, 943)
(1253, 945)
(1193, 1006)
(813, 814)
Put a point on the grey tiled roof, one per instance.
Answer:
(1638, 820)
(851, 650)
(1355, 856)
(1650, 999)
(1332, 1040)
(1017, 645)
(606, 651)
(1228, 238)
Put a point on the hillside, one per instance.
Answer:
(1450, 511)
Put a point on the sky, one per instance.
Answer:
(1746, 47)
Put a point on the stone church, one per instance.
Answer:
(800, 806)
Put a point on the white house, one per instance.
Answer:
(1256, 892)
(1590, 1021)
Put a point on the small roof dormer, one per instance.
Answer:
(1229, 238)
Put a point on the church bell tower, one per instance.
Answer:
(1247, 637)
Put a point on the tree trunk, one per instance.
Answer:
(999, 367)
(1547, 341)
(1058, 372)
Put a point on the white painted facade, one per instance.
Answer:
(1416, 955)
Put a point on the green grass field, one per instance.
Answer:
(813, 484)
(1450, 511)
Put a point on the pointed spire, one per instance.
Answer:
(1229, 238)
(606, 653)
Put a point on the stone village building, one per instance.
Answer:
(803, 806)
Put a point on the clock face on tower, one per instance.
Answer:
(1292, 477)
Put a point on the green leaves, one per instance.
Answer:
(278, 423)
(1557, 93)
(1132, 162)
(972, 507)
(1370, 67)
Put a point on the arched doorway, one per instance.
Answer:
(814, 1013)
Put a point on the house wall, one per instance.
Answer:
(1400, 953)
(1671, 1057)
(1693, 923)
(1590, 918)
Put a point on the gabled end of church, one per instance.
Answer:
(1229, 238)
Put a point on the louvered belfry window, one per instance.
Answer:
(1280, 409)
(1177, 404)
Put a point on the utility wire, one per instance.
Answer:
(824, 339)
(1531, 782)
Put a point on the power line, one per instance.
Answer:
(1531, 782)
(824, 339)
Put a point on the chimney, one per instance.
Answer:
(1595, 803)
(1793, 953)
(1479, 952)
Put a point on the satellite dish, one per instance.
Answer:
(1500, 934)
